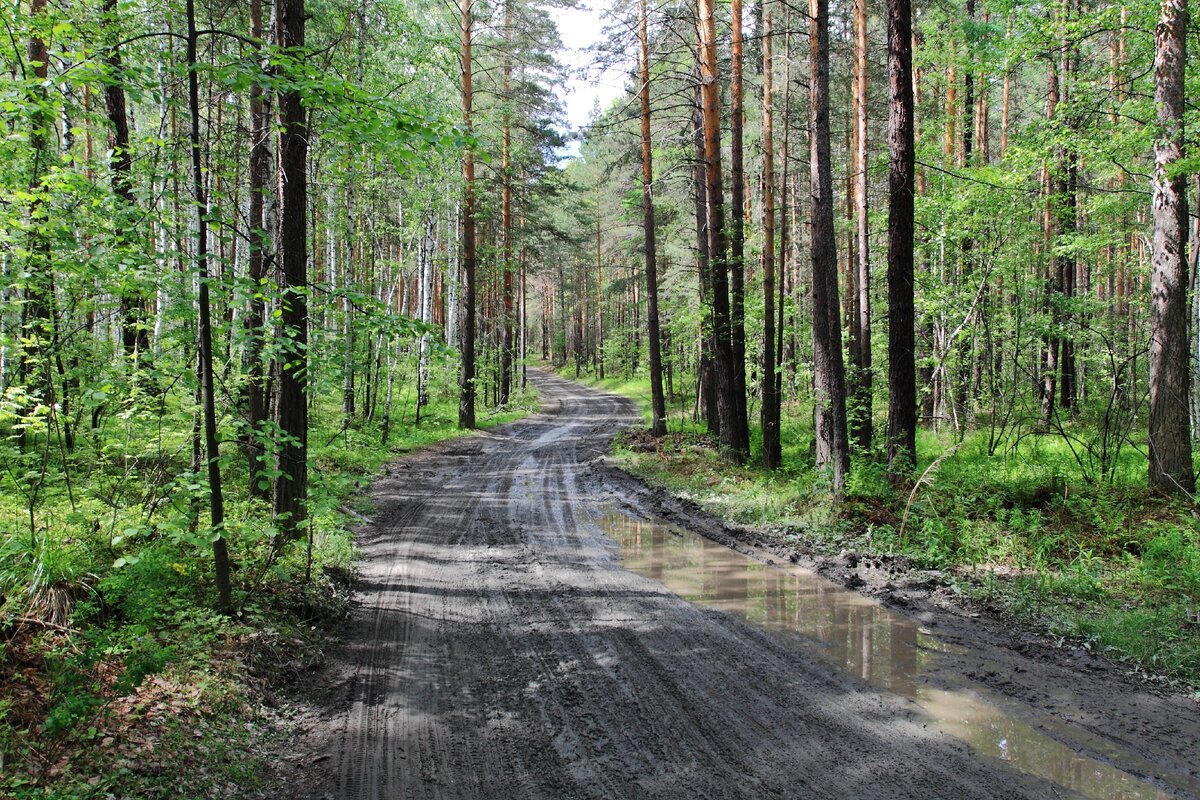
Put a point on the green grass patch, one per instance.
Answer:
(1107, 562)
(116, 677)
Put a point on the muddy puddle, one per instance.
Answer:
(885, 648)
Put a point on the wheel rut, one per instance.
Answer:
(499, 649)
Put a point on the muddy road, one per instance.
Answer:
(500, 648)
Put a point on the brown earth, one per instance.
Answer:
(498, 649)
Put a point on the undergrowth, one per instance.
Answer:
(1106, 563)
(116, 677)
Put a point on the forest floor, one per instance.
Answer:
(499, 647)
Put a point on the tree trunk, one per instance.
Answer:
(599, 351)
(733, 442)
(658, 404)
(348, 263)
(1053, 273)
(962, 381)
(466, 401)
(706, 383)
(861, 423)
(135, 336)
(785, 355)
(1170, 441)
(205, 356)
(737, 261)
(902, 387)
(772, 453)
(833, 450)
(1068, 211)
(260, 161)
(291, 410)
(506, 215)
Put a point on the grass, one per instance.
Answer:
(116, 678)
(1108, 564)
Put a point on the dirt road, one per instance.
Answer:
(501, 650)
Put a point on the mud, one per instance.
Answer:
(500, 649)
(881, 645)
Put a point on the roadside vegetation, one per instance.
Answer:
(1113, 566)
(118, 677)
(231, 287)
(243, 244)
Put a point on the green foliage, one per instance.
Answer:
(1102, 562)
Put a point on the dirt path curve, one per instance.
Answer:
(501, 651)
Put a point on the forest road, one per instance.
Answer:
(498, 649)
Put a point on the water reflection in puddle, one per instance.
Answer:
(863, 637)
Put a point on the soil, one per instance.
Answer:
(498, 649)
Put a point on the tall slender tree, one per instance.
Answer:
(466, 401)
(737, 238)
(291, 403)
(733, 441)
(772, 449)
(833, 451)
(135, 336)
(658, 404)
(1171, 467)
(506, 209)
(902, 375)
(259, 171)
(861, 423)
(38, 316)
(212, 454)
(706, 381)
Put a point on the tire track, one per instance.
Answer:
(500, 651)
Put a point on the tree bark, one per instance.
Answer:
(506, 214)
(785, 347)
(902, 387)
(658, 403)
(135, 336)
(737, 243)
(291, 407)
(772, 452)
(706, 384)
(861, 422)
(1171, 468)
(466, 401)
(733, 441)
(833, 451)
(205, 361)
(599, 351)
(1067, 205)
(260, 161)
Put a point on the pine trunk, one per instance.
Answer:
(737, 242)
(733, 441)
(861, 422)
(833, 452)
(902, 388)
(291, 411)
(772, 454)
(658, 403)
(466, 401)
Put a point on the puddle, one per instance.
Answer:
(861, 636)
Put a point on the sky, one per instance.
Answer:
(581, 30)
